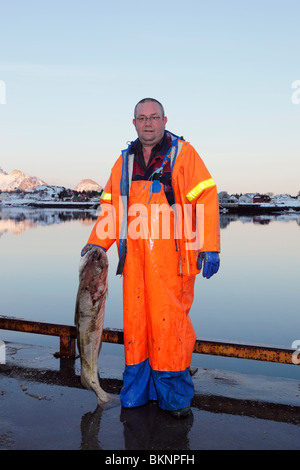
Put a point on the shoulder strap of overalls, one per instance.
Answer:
(124, 190)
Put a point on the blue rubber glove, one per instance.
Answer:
(211, 263)
(87, 247)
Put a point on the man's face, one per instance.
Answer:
(149, 132)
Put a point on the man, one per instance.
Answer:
(161, 206)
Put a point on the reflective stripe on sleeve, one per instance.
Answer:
(199, 188)
(105, 196)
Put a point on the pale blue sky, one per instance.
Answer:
(74, 69)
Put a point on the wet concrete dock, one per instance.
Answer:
(43, 406)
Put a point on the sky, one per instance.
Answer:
(227, 73)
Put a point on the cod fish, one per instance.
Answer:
(89, 316)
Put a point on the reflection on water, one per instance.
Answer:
(158, 431)
(89, 426)
(18, 219)
(264, 219)
(254, 297)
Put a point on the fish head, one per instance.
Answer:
(93, 271)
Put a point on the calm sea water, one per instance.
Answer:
(254, 298)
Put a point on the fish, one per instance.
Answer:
(89, 316)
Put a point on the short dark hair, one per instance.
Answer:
(147, 100)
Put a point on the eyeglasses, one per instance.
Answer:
(145, 119)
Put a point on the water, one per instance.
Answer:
(254, 298)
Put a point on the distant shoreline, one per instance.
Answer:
(67, 205)
(256, 208)
(53, 205)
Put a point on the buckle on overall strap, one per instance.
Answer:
(155, 184)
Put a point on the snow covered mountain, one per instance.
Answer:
(88, 185)
(18, 179)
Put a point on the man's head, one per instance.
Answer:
(150, 131)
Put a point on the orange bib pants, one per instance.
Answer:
(158, 334)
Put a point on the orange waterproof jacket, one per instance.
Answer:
(196, 206)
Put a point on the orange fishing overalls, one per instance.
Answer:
(159, 271)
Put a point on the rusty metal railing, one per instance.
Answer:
(67, 335)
